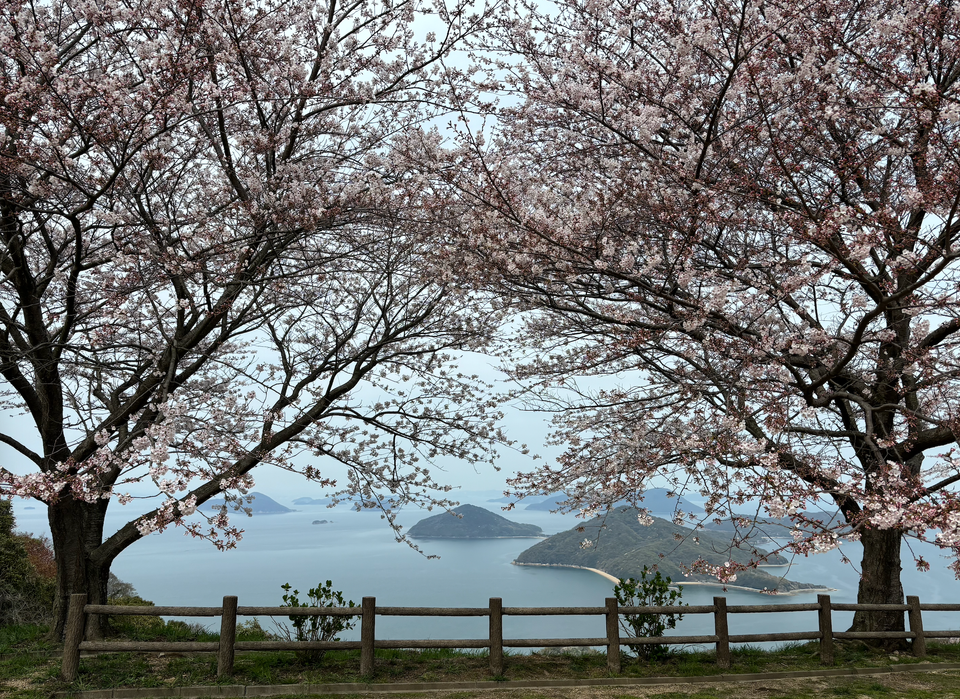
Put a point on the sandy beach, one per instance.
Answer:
(685, 583)
(609, 577)
(789, 593)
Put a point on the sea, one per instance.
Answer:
(358, 552)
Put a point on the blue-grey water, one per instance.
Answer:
(358, 552)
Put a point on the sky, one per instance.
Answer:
(522, 426)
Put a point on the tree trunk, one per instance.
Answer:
(77, 530)
(880, 583)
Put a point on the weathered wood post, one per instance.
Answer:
(228, 637)
(368, 620)
(723, 633)
(613, 635)
(825, 619)
(76, 621)
(916, 625)
(496, 636)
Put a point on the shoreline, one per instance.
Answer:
(786, 593)
(614, 579)
(524, 536)
(609, 577)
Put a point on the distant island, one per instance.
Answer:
(474, 523)
(658, 500)
(260, 505)
(350, 501)
(754, 527)
(312, 501)
(623, 546)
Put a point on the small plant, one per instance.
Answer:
(651, 590)
(315, 628)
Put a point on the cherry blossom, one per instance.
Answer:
(213, 259)
(738, 221)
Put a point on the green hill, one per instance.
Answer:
(475, 523)
(655, 500)
(621, 546)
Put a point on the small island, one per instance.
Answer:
(260, 505)
(312, 501)
(618, 546)
(473, 523)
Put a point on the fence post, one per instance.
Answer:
(76, 622)
(916, 625)
(723, 633)
(367, 629)
(228, 636)
(613, 635)
(496, 636)
(825, 618)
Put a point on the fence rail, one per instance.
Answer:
(495, 642)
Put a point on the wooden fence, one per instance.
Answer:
(368, 611)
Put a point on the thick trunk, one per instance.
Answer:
(880, 582)
(77, 530)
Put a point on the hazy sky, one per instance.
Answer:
(523, 426)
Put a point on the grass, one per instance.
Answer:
(29, 667)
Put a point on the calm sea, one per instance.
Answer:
(357, 551)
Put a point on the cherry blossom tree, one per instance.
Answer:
(212, 260)
(743, 215)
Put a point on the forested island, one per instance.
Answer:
(259, 505)
(655, 500)
(617, 544)
(473, 523)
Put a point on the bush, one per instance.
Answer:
(250, 630)
(27, 574)
(315, 628)
(141, 628)
(652, 590)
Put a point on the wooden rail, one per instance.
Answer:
(368, 611)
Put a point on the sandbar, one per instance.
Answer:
(615, 579)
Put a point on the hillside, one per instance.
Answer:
(260, 505)
(655, 500)
(624, 546)
(475, 523)
(768, 526)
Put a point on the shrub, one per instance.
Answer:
(315, 628)
(141, 628)
(651, 590)
(27, 574)
(250, 630)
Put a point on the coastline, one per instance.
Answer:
(524, 536)
(609, 577)
(615, 579)
(787, 593)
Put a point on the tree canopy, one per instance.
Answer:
(745, 216)
(211, 260)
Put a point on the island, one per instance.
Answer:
(260, 505)
(313, 501)
(618, 546)
(770, 528)
(657, 500)
(352, 501)
(473, 523)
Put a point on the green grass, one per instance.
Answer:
(27, 670)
